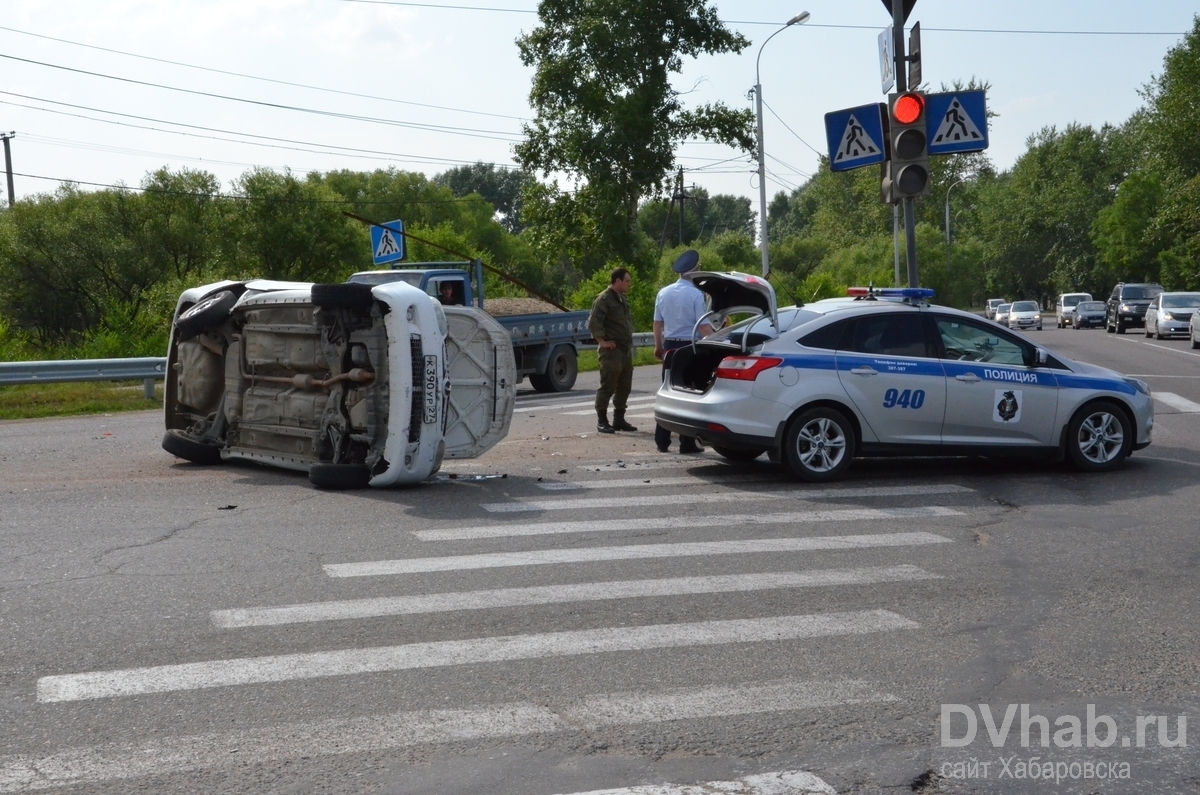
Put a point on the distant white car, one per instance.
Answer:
(1170, 314)
(1000, 315)
(352, 383)
(1024, 314)
(990, 311)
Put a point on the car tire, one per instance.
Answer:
(1039, 328)
(734, 454)
(343, 296)
(180, 445)
(339, 477)
(1195, 343)
(210, 311)
(1092, 443)
(809, 439)
(562, 369)
(1120, 329)
(1158, 334)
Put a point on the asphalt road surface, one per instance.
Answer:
(576, 612)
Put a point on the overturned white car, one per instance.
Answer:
(354, 384)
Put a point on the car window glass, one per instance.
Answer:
(968, 342)
(890, 335)
(1003, 307)
(1091, 306)
(1181, 300)
(1139, 293)
(826, 337)
(1025, 306)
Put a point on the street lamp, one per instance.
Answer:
(961, 181)
(799, 19)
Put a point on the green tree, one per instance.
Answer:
(502, 187)
(607, 114)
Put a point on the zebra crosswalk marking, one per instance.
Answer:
(559, 594)
(347, 662)
(544, 557)
(373, 733)
(673, 522)
(688, 498)
(783, 782)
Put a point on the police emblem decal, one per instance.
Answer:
(1007, 408)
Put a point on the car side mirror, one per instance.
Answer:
(1042, 357)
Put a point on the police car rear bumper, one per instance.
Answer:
(713, 432)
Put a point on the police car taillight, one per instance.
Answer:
(745, 368)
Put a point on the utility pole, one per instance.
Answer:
(681, 197)
(8, 166)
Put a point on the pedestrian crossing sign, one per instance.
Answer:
(387, 242)
(855, 137)
(956, 121)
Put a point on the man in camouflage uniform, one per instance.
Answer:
(611, 323)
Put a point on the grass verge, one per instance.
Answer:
(27, 401)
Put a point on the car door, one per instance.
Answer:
(1152, 315)
(482, 376)
(888, 365)
(993, 394)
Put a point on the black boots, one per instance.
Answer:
(619, 422)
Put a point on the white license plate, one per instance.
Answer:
(431, 385)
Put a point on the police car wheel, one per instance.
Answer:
(819, 445)
(1098, 437)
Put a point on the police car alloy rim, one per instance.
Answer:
(821, 445)
(1101, 437)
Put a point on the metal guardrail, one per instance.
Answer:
(146, 369)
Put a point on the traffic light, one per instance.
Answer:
(907, 172)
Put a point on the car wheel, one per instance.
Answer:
(734, 454)
(561, 371)
(1158, 334)
(180, 445)
(338, 477)
(210, 311)
(343, 296)
(1098, 437)
(1195, 344)
(819, 445)
(1120, 327)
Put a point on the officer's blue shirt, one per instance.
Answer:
(679, 305)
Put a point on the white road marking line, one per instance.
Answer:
(592, 411)
(674, 523)
(350, 662)
(1177, 402)
(545, 557)
(639, 416)
(559, 594)
(577, 403)
(783, 782)
(1162, 347)
(1159, 375)
(373, 733)
(688, 498)
(647, 482)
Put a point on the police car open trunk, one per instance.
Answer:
(694, 368)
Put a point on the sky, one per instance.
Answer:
(101, 92)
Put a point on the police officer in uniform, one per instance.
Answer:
(611, 324)
(676, 309)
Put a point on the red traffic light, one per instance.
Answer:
(907, 108)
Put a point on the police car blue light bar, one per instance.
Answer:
(890, 292)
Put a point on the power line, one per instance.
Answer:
(789, 129)
(239, 197)
(497, 135)
(418, 159)
(776, 23)
(256, 77)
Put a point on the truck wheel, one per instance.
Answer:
(212, 310)
(339, 477)
(561, 371)
(343, 296)
(180, 445)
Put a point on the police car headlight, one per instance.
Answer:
(1139, 385)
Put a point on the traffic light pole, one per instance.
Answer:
(901, 71)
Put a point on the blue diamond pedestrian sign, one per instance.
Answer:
(855, 137)
(956, 121)
(387, 242)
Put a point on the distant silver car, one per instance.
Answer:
(1170, 314)
(1064, 307)
(888, 374)
(1000, 315)
(990, 311)
(1088, 314)
(1025, 314)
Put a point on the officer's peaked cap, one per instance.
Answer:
(687, 261)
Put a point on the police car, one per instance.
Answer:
(885, 373)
